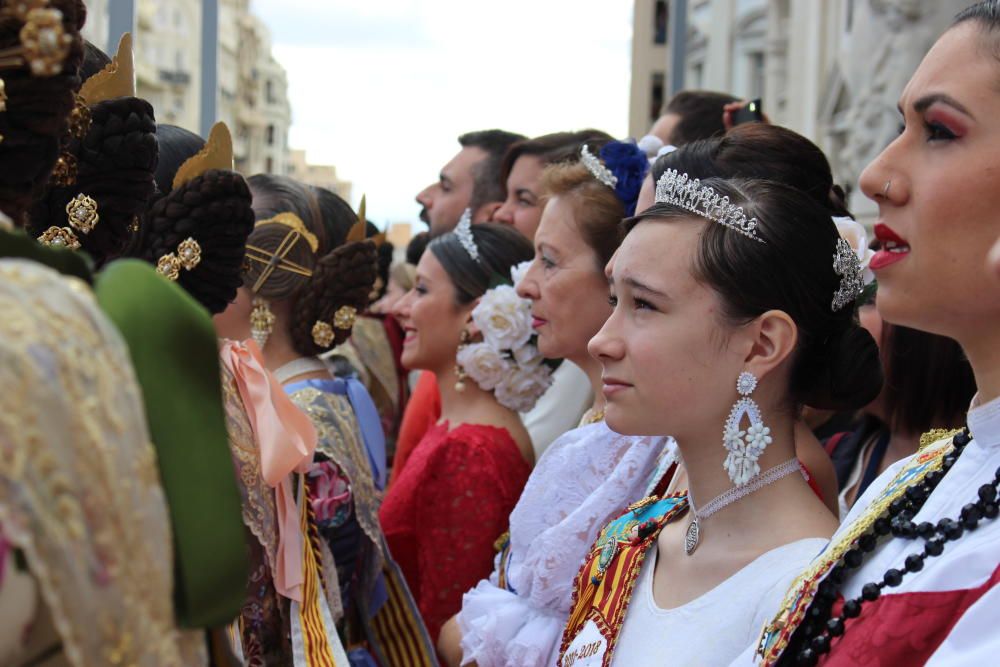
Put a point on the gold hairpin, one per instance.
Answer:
(44, 44)
(323, 334)
(117, 79)
(59, 237)
(295, 223)
(188, 256)
(65, 170)
(81, 212)
(344, 318)
(3, 96)
(216, 154)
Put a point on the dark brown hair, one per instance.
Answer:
(759, 151)
(36, 119)
(501, 247)
(486, 183)
(115, 165)
(341, 274)
(836, 364)
(552, 148)
(928, 380)
(597, 210)
(700, 114)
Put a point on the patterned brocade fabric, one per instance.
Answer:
(79, 489)
(444, 514)
(264, 622)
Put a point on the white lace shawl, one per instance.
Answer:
(583, 480)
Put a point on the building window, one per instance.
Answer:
(269, 166)
(269, 89)
(661, 21)
(697, 77)
(657, 92)
(270, 135)
(850, 15)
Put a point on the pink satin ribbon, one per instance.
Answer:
(287, 439)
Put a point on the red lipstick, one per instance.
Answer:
(894, 248)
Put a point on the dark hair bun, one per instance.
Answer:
(843, 372)
(344, 277)
(36, 118)
(215, 210)
(115, 165)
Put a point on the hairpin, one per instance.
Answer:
(689, 194)
(847, 265)
(597, 168)
(188, 256)
(117, 79)
(463, 231)
(277, 259)
(60, 237)
(217, 153)
(44, 44)
(81, 212)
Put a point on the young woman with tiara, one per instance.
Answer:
(305, 279)
(910, 577)
(446, 510)
(733, 306)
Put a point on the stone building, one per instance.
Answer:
(323, 176)
(831, 70)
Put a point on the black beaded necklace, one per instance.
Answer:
(812, 639)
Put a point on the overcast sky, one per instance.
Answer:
(382, 88)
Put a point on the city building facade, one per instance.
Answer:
(830, 70)
(322, 176)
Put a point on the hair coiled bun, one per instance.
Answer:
(344, 277)
(215, 210)
(116, 161)
(37, 115)
(841, 372)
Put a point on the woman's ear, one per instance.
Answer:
(470, 324)
(774, 337)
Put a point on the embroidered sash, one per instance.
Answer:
(603, 588)
(776, 635)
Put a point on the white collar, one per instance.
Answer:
(984, 422)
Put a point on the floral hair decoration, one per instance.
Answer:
(622, 167)
(507, 361)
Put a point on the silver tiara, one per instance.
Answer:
(597, 168)
(689, 194)
(848, 266)
(463, 230)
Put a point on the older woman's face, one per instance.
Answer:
(938, 191)
(566, 284)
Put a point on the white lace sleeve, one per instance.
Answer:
(584, 479)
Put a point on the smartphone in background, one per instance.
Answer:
(751, 112)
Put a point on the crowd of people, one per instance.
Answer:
(242, 429)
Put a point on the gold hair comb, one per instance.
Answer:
(117, 79)
(216, 154)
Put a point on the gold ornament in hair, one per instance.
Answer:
(117, 79)
(216, 154)
(44, 44)
(323, 334)
(81, 212)
(359, 230)
(276, 260)
(60, 237)
(345, 317)
(188, 256)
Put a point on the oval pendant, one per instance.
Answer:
(691, 538)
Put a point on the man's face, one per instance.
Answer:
(443, 202)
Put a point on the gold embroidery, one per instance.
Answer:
(79, 489)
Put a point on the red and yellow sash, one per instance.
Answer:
(776, 634)
(603, 588)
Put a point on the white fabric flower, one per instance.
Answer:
(522, 387)
(504, 318)
(857, 236)
(518, 271)
(528, 356)
(482, 364)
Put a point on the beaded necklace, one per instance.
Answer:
(812, 639)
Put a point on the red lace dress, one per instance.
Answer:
(445, 512)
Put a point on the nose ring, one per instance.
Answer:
(885, 190)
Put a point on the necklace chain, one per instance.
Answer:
(756, 483)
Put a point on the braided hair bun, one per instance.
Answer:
(341, 274)
(116, 161)
(37, 114)
(214, 210)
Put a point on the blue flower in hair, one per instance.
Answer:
(629, 164)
